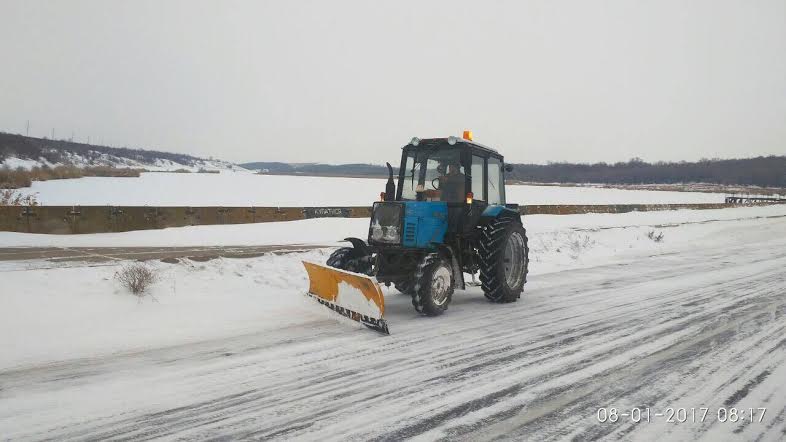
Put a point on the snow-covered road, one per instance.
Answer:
(698, 325)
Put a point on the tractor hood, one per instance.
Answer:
(413, 224)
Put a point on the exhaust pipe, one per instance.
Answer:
(390, 187)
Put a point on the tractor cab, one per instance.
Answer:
(451, 170)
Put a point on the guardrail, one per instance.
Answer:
(104, 219)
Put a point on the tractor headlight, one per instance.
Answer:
(386, 223)
(391, 234)
(376, 232)
(385, 233)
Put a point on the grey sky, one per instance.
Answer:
(336, 81)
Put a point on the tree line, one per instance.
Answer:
(767, 171)
(761, 171)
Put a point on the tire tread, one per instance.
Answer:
(491, 245)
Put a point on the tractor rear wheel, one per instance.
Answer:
(504, 259)
(433, 285)
(346, 258)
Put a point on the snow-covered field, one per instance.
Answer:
(230, 348)
(243, 188)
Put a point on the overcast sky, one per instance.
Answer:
(337, 81)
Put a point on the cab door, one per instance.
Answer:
(476, 181)
(495, 182)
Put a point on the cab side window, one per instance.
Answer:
(410, 180)
(478, 164)
(496, 181)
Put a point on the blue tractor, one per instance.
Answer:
(447, 217)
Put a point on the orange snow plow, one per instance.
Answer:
(353, 295)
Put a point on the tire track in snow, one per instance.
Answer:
(636, 334)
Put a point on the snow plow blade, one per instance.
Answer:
(353, 295)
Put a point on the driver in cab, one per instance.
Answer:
(452, 184)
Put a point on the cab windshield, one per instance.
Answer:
(434, 173)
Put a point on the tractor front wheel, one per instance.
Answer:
(346, 258)
(433, 285)
(504, 260)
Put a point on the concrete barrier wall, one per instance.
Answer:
(102, 219)
(574, 209)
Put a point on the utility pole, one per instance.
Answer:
(27, 133)
(53, 134)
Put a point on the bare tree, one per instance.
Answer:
(11, 197)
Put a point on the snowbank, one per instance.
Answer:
(52, 313)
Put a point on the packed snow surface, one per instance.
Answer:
(242, 188)
(232, 349)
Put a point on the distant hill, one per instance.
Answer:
(27, 152)
(767, 171)
(351, 170)
(270, 167)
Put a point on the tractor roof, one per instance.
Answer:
(435, 142)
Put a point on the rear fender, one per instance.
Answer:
(497, 211)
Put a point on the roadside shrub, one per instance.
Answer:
(11, 197)
(106, 171)
(136, 278)
(657, 237)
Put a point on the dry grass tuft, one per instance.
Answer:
(20, 177)
(657, 237)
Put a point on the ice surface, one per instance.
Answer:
(242, 188)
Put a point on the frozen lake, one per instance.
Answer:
(248, 189)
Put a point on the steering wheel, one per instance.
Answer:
(435, 186)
